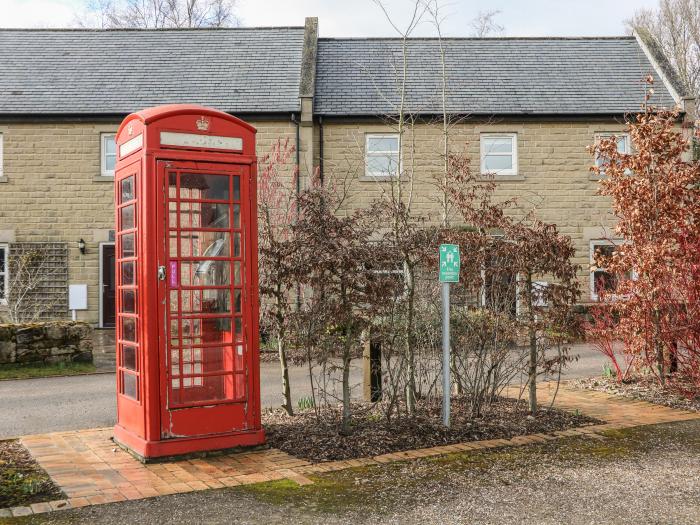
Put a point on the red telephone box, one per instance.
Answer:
(188, 375)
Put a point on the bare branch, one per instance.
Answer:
(157, 14)
(484, 24)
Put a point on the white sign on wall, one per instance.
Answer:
(77, 297)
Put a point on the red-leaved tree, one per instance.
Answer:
(652, 302)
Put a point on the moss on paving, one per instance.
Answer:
(17, 371)
(371, 489)
(329, 493)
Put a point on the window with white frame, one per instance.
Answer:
(382, 157)
(108, 154)
(4, 273)
(602, 280)
(623, 146)
(499, 153)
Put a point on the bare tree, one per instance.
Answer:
(277, 250)
(675, 27)
(157, 14)
(484, 24)
(435, 11)
(405, 225)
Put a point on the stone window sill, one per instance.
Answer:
(3, 178)
(101, 178)
(503, 178)
(377, 178)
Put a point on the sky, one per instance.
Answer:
(362, 18)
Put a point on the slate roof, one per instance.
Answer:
(486, 76)
(121, 71)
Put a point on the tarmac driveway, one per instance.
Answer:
(35, 406)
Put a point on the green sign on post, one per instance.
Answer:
(449, 263)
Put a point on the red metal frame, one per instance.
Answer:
(188, 378)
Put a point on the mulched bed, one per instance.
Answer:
(304, 436)
(641, 389)
(22, 480)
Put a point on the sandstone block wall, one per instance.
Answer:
(52, 190)
(553, 172)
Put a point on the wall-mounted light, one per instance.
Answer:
(81, 246)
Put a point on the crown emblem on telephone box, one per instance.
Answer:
(203, 124)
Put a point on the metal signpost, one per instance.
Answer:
(449, 273)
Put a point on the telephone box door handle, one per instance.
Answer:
(161, 273)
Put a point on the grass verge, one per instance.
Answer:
(16, 371)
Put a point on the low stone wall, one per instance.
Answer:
(48, 343)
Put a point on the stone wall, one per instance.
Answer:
(52, 191)
(47, 343)
(553, 172)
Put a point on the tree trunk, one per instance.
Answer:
(459, 388)
(659, 348)
(346, 389)
(286, 390)
(673, 358)
(532, 365)
(408, 336)
(532, 372)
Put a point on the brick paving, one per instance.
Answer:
(91, 469)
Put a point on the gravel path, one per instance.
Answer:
(637, 476)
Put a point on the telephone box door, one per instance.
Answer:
(203, 297)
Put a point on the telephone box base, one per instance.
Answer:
(149, 451)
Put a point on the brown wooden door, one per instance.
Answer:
(108, 286)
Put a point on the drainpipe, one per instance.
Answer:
(298, 188)
(320, 149)
(298, 157)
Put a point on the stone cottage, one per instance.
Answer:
(526, 109)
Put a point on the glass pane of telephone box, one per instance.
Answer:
(203, 215)
(130, 385)
(127, 189)
(128, 217)
(128, 277)
(205, 273)
(201, 331)
(205, 244)
(204, 186)
(207, 301)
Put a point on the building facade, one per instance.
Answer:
(524, 110)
